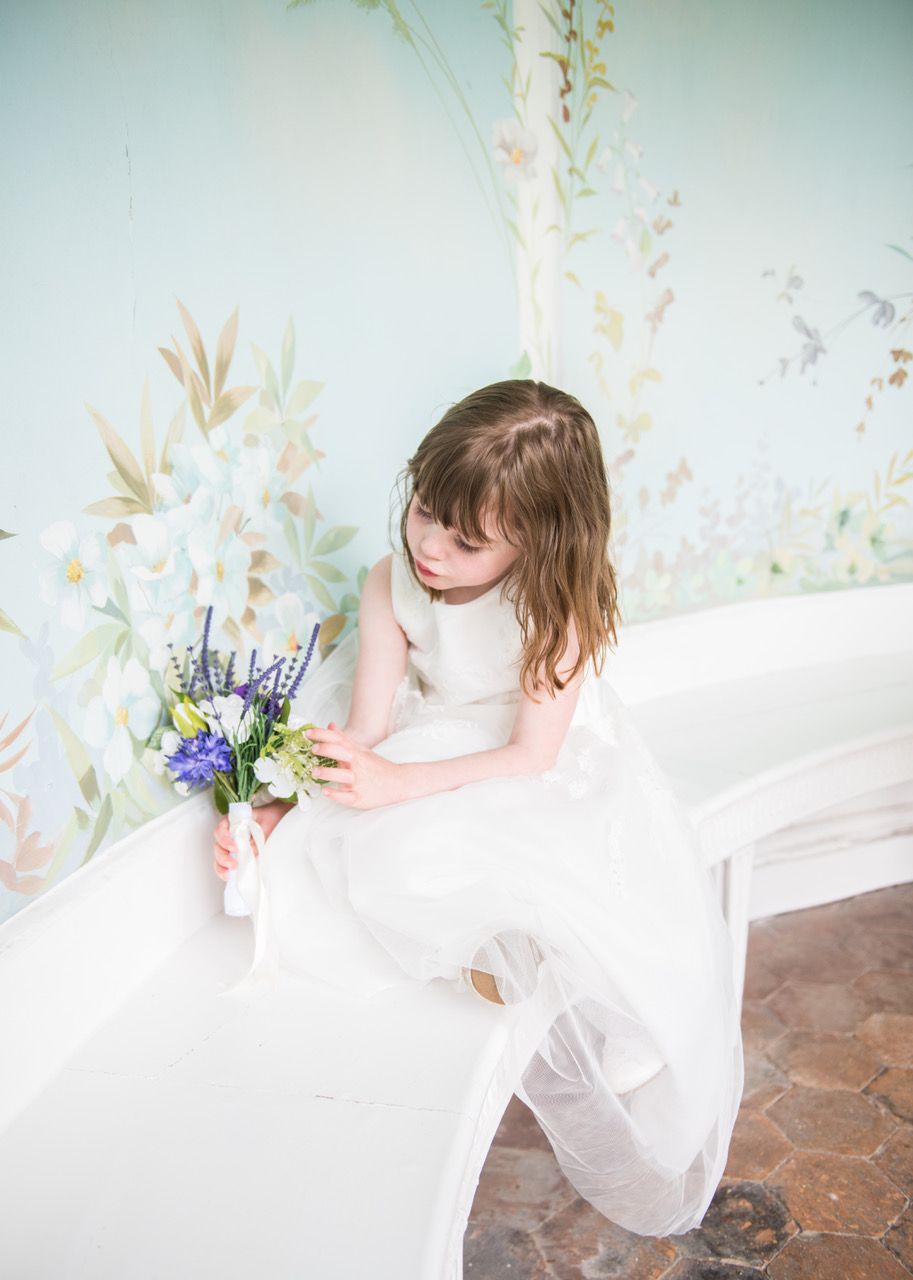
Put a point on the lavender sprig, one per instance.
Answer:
(272, 710)
(178, 671)
(205, 657)
(229, 673)
(253, 685)
(298, 678)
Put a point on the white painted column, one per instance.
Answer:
(538, 207)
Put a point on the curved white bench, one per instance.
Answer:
(151, 1127)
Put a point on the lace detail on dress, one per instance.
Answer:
(615, 872)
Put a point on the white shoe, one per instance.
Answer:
(627, 1068)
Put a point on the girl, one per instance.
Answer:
(493, 812)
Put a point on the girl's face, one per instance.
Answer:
(445, 560)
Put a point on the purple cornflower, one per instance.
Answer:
(198, 759)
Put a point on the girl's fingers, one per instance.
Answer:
(320, 735)
(330, 734)
(334, 774)
(337, 753)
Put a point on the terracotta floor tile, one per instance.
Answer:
(757, 1147)
(762, 939)
(900, 1239)
(760, 1025)
(896, 1159)
(746, 1223)
(520, 1129)
(764, 1081)
(813, 953)
(824, 1060)
(492, 1251)
(886, 950)
(828, 920)
(761, 979)
(883, 909)
(890, 1035)
(818, 1006)
(837, 1193)
(519, 1189)
(831, 1120)
(886, 991)
(703, 1269)
(894, 1087)
(578, 1242)
(824, 1257)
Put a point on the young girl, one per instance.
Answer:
(493, 812)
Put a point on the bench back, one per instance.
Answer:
(733, 641)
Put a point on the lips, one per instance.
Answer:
(425, 570)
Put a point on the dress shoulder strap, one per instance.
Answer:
(410, 603)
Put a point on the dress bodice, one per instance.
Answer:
(458, 653)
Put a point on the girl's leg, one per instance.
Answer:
(485, 984)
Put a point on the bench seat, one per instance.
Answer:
(299, 1132)
(153, 1128)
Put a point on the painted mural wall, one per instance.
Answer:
(258, 248)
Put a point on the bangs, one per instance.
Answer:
(459, 497)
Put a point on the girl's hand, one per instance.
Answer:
(268, 816)
(362, 779)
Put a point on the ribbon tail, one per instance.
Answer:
(259, 972)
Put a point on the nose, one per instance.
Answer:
(429, 550)
(430, 545)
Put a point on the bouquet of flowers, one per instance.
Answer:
(240, 739)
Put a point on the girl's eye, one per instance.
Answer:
(461, 545)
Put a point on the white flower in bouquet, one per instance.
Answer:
(281, 782)
(225, 715)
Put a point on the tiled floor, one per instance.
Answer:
(820, 1174)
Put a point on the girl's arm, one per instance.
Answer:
(365, 780)
(381, 665)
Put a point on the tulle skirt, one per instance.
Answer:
(591, 872)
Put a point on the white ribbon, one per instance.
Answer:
(250, 885)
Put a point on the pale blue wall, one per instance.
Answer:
(309, 164)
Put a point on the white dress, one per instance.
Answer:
(592, 868)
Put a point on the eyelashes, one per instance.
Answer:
(461, 545)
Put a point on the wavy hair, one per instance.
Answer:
(530, 456)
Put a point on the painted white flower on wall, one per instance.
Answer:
(158, 760)
(222, 569)
(176, 625)
(209, 464)
(515, 148)
(74, 582)
(258, 487)
(158, 570)
(292, 632)
(127, 708)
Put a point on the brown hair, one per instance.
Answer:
(531, 456)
